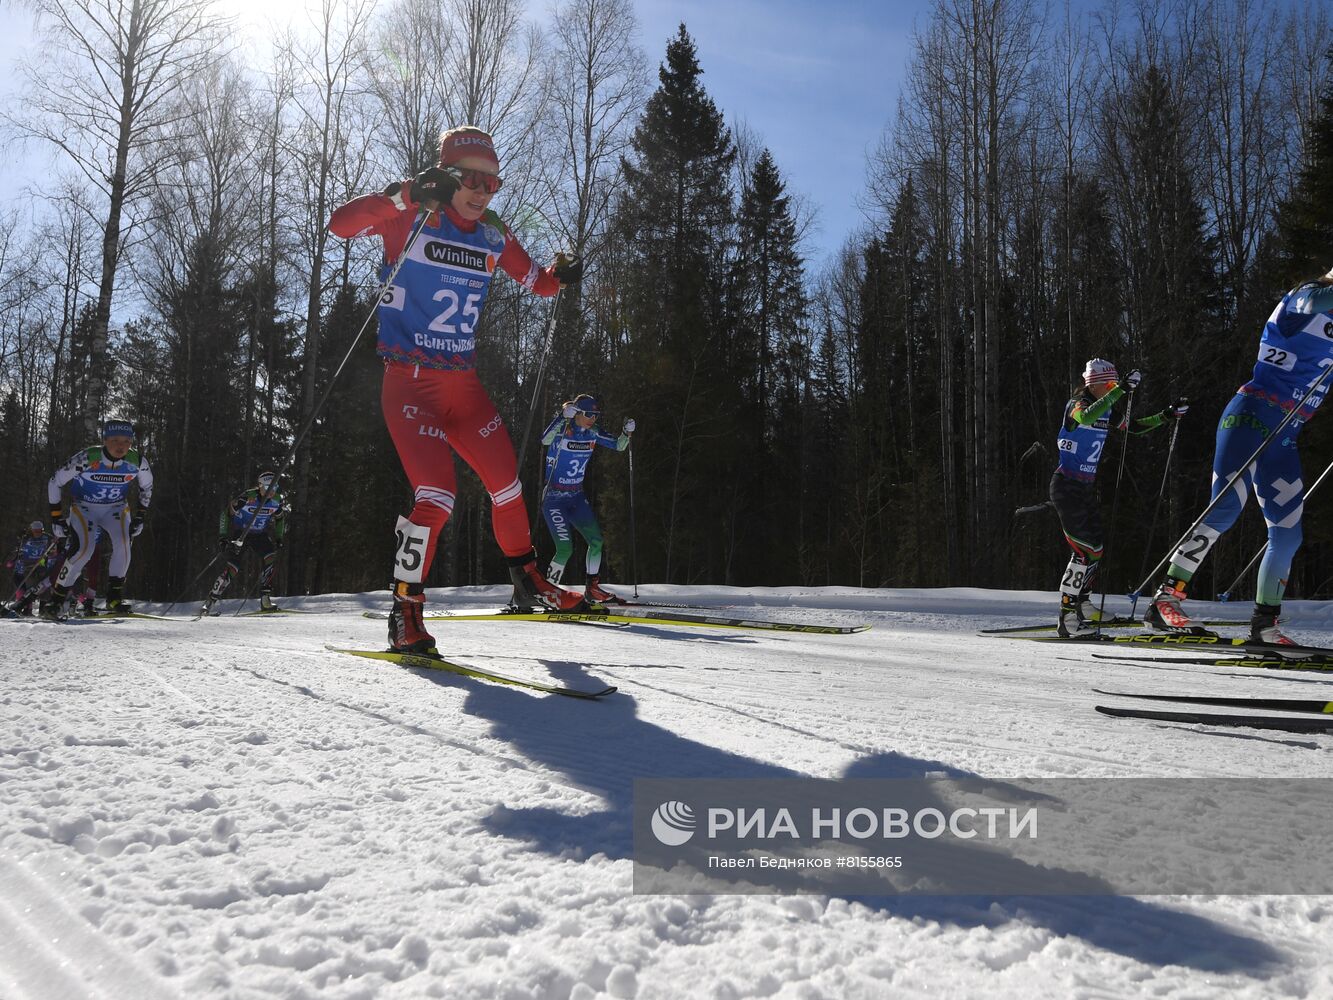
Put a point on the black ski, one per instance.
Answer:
(1317, 663)
(1284, 724)
(1173, 639)
(426, 662)
(1309, 706)
(1117, 622)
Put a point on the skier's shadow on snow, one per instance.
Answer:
(603, 747)
(679, 635)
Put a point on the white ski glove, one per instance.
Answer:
(570, 411)
(629, 425)
(1133, 379)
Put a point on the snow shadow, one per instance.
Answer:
(602, 747)
(1148, 932)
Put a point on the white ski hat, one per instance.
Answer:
(37, 526)
(1099, 371)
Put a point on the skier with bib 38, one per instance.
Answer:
(99, 480)
(1083, 431)
(432, 400)
(1295, 349)
(570, 439)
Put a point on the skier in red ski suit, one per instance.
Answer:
(433, 401)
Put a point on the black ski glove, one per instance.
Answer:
(568, 269)
(434, 186)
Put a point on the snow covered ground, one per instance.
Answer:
(226, 809)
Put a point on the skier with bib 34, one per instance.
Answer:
(570, 440)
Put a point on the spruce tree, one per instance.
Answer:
(1306, 217)
(676, 222)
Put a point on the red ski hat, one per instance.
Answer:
(467, 140)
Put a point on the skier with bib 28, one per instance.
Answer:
(432, 400)
(1295, 349)
(256, 519)
(1083, 432)
(570, 439)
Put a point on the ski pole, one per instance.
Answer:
(633, 532)
(1115, 500)
(1235, 477)
(328, 391)
(1226, 594)
(547, 338)
(1156, 509)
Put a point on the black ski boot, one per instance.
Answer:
(1264, 630)
(1075, 621)
(52, 602)
(115, 603)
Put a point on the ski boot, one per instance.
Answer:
(407, 631)
(532, 591)
(115, 603)
(1089, 612)
(1165, 614)
(22, 604)
(1264, 630)
(49, 609)
(266, 602)
(594, 593)
(86, 606)
(1075, 621)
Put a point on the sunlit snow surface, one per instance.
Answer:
(226, 809)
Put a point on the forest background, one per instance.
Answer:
(1140, 182)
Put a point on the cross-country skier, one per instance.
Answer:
(99, 480)
(29, 562)
(1087, 420)
(432, 400)
(570, 439)
(263, 510)
(1294, 350)
(46, 573)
